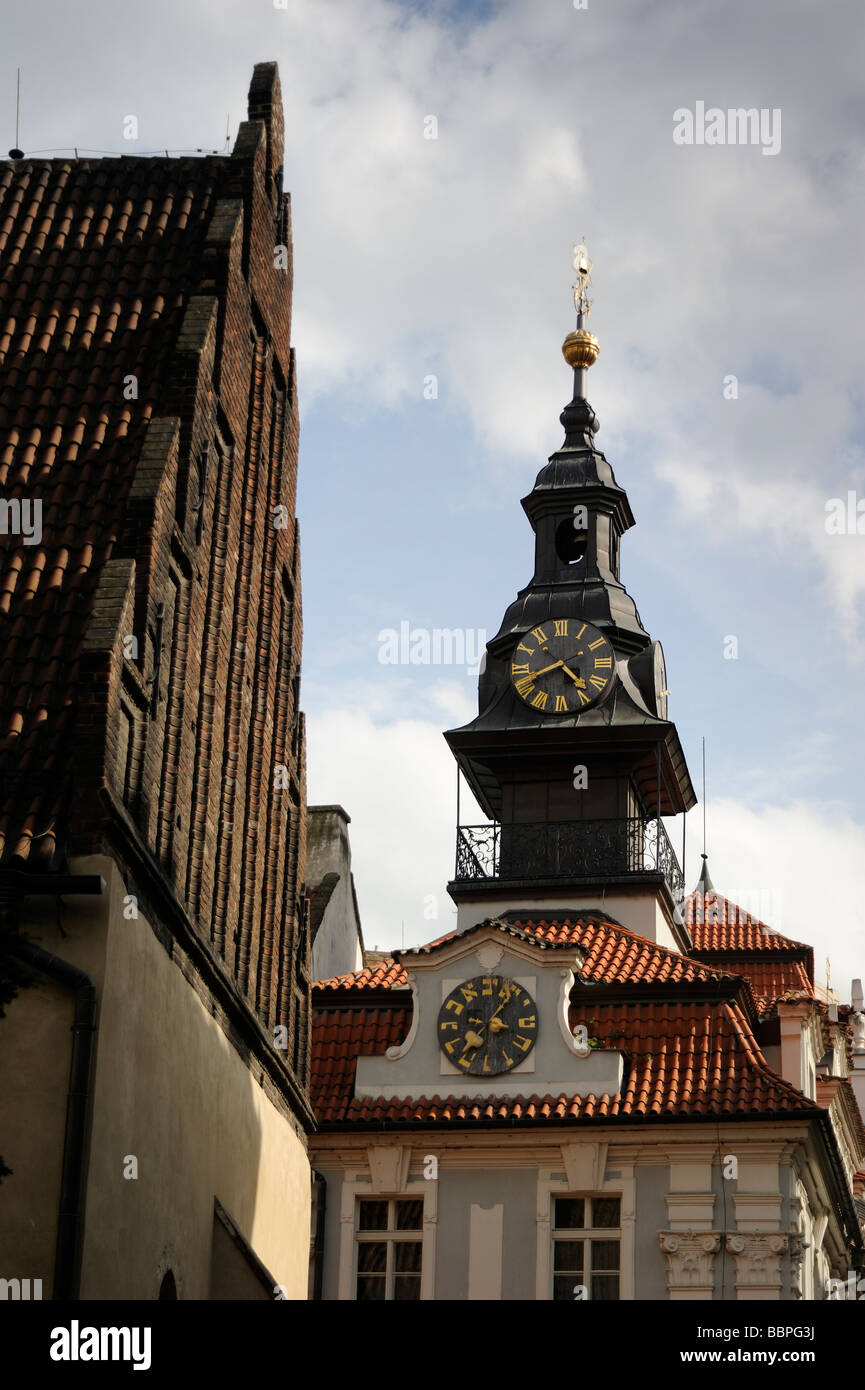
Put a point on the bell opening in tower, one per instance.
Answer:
(571, 545)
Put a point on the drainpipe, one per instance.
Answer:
(318, 1244)
(70, 1223)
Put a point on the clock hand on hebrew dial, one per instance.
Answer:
(495, 1022)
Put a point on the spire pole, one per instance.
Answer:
(704, 796)
(580, 348)
(705, 884)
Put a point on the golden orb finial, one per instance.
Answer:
(580, 349)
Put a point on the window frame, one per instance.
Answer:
(390, 1236)
(357, 1182)
(585, 1235)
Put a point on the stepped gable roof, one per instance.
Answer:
(685, 1058)
(99, 259)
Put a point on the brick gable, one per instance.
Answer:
(151, 636)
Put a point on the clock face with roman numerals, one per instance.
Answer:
(562, 666)
(487, 1025)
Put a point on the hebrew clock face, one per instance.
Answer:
(487, 1025)
(562, 666)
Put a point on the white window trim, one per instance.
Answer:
(356, 1185)
(548, 1188)
(390, 1237)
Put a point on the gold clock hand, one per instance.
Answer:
(497, 1025)
(578, 680)
(492, 1016)
(544, 669)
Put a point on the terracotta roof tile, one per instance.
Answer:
(683, 1059)
(614, 955)
(717, 924)
(341, 1036)
(770, 980)
(388, 974)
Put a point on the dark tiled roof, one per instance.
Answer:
(98, 260)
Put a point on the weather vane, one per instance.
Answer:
(583, 266)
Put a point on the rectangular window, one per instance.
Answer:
(389, 1247)
(586, 1236)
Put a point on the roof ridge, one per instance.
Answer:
(382, 969)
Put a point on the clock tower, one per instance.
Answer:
(571, 755)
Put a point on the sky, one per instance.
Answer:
(442, 160)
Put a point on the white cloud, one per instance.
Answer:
(798, 867)
(453, 255)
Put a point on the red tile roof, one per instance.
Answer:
(729, 938)
(614, 955)
(717, 924)
(770, 981)
(684, 1057)
(387, 974)
(98, 261)
(340, 1036)
(683, 1060)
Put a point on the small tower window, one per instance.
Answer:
(570, 544)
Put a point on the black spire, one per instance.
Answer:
(704, 882)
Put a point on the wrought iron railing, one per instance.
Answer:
(574, 850)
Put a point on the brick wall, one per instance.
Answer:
(203, 736)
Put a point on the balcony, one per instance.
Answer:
(583, 851)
